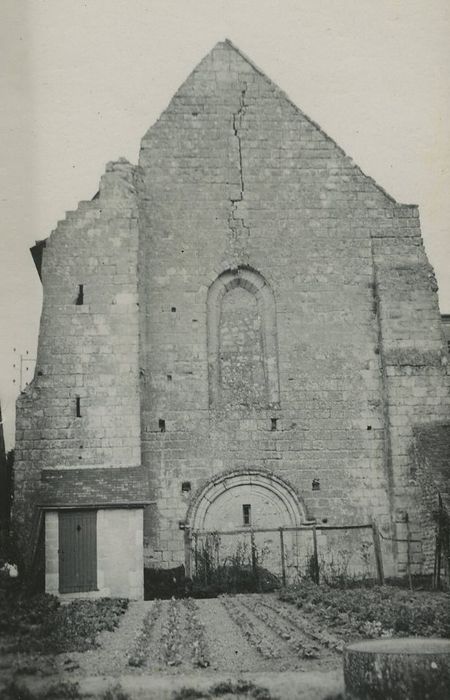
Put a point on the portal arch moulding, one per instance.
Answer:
(276, 488)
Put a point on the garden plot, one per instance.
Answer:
(238, 634)
(232, 633)
(172, 638)
(284, 642)
(300, 630)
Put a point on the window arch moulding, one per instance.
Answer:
(254, 283)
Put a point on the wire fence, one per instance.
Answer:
(323, 552)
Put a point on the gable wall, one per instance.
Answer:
(233, 176)
(235, 183)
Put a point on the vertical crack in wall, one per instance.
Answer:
(240, 232)
(388, 465)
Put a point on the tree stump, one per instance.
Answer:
(413, 668)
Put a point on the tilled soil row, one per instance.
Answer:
(292, 621)
(309, 624)
(111, 656)
(234, 634)
(275, 651)
(172, 639)
(284, 644)
(299, 643)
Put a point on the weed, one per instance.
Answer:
(240, 571)
(241, 688)
(57, 691)
(116, 692)
(189, 694)
(17, 691)
(63, 689)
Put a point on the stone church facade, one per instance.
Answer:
(242, 330)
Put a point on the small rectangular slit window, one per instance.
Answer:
(173, 309)
(246, 513)
(169, 377)
(78, 406)
(162, 425)
(80, 297)
(273, 423)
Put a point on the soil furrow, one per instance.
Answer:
(299, 643)
(308, 624)
(228, 648)
(276, 651)
(111, 657)
(235, 634)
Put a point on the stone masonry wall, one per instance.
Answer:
(241, 351)
(415, 366)
(234, 177)
(250, 301)
(82, 409)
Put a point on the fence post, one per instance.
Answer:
(196, 553)
(434, 584)
(187, 552)
(437, 557)
(283, 565)
(408, 552)
(217, 547)
(378, 555)
(254, 562)
(315, 556)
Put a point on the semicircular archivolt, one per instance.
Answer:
(220, 502)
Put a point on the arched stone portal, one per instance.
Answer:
(220, 504)
(245, 510)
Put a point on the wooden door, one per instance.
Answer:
(77, 551)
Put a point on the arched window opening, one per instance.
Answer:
(242, 342)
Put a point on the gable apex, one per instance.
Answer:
(226, 46)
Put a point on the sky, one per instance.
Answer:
(82, 80)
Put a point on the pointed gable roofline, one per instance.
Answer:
(228, 42)
(38, 248)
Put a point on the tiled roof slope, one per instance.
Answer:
(93, 486)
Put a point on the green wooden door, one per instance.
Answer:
(77, 551)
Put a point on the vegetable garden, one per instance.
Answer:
(301, 628)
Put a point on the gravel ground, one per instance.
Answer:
(195, 643)
(244, 633)
(111, 657)
(228, 648)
